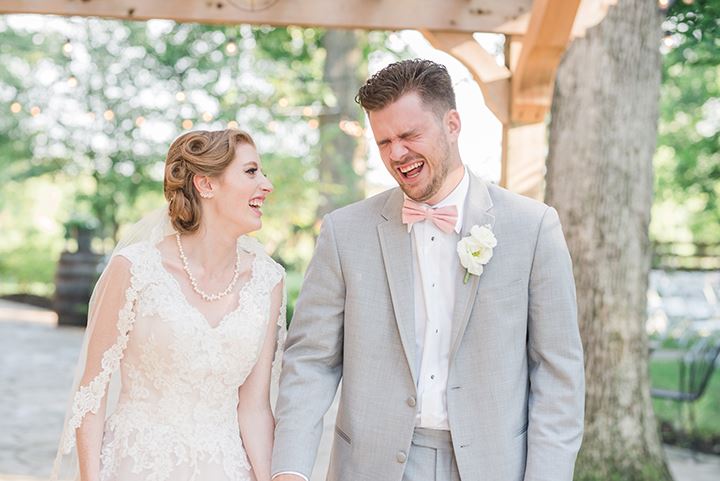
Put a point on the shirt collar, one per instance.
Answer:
(456, 198)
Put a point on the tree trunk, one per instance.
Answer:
(342, 164)
(601, 145)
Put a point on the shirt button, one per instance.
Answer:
(401, 457)
(411, 401)
(432, 376)
(432, 238)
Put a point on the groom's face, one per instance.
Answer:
(414, 142)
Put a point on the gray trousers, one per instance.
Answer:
(431, 457)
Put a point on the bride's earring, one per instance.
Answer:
(206, 195)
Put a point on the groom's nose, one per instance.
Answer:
(398, 151)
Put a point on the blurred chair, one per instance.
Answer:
(696, 367)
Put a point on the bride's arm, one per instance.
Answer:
(110, 298)
(254, 413)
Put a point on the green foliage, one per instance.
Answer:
(32, 239)
(90, 107)
(687, 164)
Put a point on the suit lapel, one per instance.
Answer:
(395, 242)
(477, 205)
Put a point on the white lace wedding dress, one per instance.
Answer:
(175, 416)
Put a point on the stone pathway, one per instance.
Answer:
(37, 360)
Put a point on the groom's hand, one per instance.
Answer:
(288, 477)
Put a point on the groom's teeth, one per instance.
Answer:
(407, 169)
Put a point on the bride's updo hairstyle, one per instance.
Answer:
(203, 153)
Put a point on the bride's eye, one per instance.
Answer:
(252, 171)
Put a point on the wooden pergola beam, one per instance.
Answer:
(547, 36)
(493, 79)
(500, 16)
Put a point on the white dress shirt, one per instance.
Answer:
(435, 268)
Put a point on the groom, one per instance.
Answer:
(442, 379)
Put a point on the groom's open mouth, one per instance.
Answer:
(411, 169)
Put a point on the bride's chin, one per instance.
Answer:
(247, 226)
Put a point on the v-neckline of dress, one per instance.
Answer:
(201, 317)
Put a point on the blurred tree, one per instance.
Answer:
(115, 94)
(342, 158)
(687, 162)
(599, 178)
(97, 103)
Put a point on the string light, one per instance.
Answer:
(231, 47)
(35, 111)
(207, 116)
(273, 126)
(664, 5)
(351, 128)
(307, 111)
(313, 123)
(180, 96)
(15, 107)
(668, 41)
(109, 115)
(67, 47)
(232, 125)
(72, 82)
(187, 124)
(283, 102)
(140, 120)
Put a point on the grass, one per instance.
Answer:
(706, 410)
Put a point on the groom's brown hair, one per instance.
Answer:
(428, 79)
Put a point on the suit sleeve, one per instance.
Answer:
(555, 360)
(312, 364)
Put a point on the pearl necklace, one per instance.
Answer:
(193, 282)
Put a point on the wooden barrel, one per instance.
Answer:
(76, 275)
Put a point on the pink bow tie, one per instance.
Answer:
(444, 218)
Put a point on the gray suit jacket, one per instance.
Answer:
(515, 394)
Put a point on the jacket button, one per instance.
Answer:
(401, 457)
(411, 401)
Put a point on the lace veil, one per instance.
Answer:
(89, 388)
(86, 398)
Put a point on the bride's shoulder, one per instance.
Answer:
(136, 253)
(253, 246)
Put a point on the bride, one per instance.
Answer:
(185, 330)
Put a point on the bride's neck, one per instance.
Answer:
(213, 249)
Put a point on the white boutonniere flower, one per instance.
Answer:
(476, 250)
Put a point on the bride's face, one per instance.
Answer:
(241, 190)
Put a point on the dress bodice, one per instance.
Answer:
(180, 377)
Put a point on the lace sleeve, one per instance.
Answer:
(281, 333)
(275, 274)
(111, 315)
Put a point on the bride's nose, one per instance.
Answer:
(266, 185)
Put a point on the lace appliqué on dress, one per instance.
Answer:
(176, 417)
(88, 398)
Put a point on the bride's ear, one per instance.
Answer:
(204, 185)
